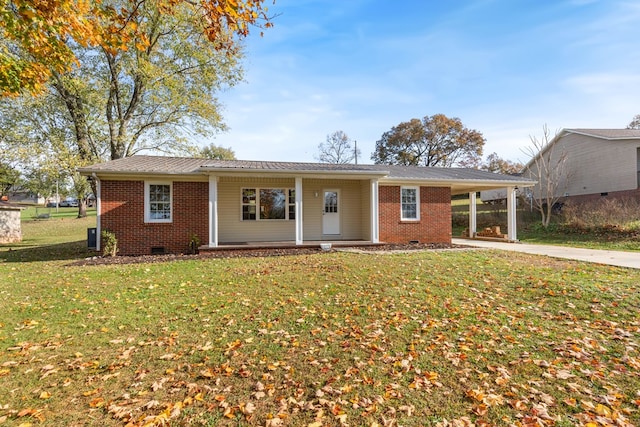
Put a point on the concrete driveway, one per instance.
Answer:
(616, 258)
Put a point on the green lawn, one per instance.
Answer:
(323, 340)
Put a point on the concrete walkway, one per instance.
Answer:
(616, 258)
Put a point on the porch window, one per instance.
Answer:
(268, 203)
(410, 203)
(158, 201)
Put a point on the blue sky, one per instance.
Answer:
(504, 67)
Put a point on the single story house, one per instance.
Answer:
(159, 204)
(597, 163)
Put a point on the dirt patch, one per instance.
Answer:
(252, 253)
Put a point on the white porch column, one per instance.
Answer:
(375, 220)
(98, 211)
(213, 211)
(473, 217)
(299, 224)
(512, 232)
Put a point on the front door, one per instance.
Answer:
(331, 213)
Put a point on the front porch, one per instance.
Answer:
(224, 246)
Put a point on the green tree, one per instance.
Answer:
(149, 99)
(9, 177)
(39, 135)
(215, 152)
(433, 141)
(337, 149)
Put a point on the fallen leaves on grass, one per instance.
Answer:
(336, 340)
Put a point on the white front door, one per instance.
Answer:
(331, 212)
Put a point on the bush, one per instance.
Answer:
(615, 213)
(110, 243)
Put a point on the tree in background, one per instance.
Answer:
(37, 134)
(496, 164)
(9, 178)
(433, 141)
(548, 166)
(215, 152)
(635, 123)
(149, 98)
(37, 38)
(337, 149)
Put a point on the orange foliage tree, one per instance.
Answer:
(37, 36)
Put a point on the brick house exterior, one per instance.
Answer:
(434, 225)
(161, 204)
(122, 204)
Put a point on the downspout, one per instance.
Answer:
(98, 210)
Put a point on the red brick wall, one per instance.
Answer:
(122, 210)
(434, 225)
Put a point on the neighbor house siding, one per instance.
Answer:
(594, 165)
(434, 225)
(122, 212)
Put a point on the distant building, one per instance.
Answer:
(599, 163)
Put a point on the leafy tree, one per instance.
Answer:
(9, 177)
(496, 164)
(635, 123)
(38, 133)
(38, 37)
(337, 149)
(433, 141)
(215, 152)
(548, 166)
(148, 99)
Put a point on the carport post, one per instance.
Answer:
(213, 211)
(298, 208)
(473, 223)
(512, 232)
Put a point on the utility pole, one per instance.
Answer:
(355, 150)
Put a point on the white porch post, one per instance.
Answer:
(473, 217)
(98, 210)
(512, 232)
(375, 221)
(213, 211)
(298, 207)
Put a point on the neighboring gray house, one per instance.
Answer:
(599, 163)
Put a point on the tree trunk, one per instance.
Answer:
(82, 208)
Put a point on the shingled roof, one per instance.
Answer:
(610, 134)
(152, 165)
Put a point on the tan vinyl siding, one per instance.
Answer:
(350, 208)
(233, 229)
(365, 209)
(230, 225)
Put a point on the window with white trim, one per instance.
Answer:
(158, 204)
(410, 203)
(268, 204)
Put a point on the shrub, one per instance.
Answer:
(110, 243)
(620, 213)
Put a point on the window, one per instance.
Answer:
(249, 204)
(157, 202)
(268, 203)
(410, 203)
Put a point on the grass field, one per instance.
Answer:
(443, 338)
